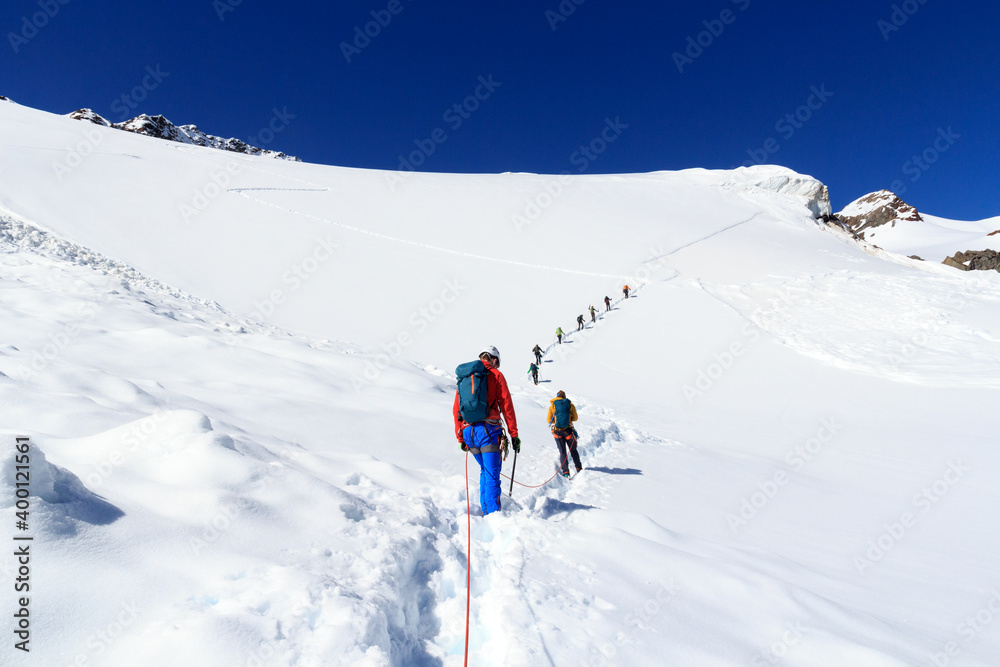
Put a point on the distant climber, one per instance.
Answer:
(625, 290)
(607, 304)
(481, 398)
(533, 372)
(579, 323)
(561, 415)
(559, 334)
(593, 314)
(537, 351)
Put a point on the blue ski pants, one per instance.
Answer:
(478, 437)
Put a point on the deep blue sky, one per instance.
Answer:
(891, 98)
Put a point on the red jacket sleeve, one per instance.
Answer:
(459, 424)
(505, 403)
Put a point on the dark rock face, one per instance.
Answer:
(159, 127)
(92, 116)
(975, 260)
(877, 209)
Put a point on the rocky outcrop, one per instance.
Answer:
(161, 128)
(877, 209)
(975, 260)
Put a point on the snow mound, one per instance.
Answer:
(160, 128)
(61, 501)
(783, 181)
(15, 234)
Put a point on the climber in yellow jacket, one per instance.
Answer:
(561, 415)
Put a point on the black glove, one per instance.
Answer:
(461, 443)
(575, 434)
(516, 444)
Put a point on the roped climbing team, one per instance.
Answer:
(482, 397)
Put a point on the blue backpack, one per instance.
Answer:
(563, 420)
(473, 405)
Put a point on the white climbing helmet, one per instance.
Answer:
(493, 352)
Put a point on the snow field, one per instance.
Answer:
(245, 416)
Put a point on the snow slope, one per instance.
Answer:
(240, 408)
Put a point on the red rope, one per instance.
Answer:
(527, 486)
(468, 570)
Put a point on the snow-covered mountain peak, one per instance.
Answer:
(877, 209)
(160, 127)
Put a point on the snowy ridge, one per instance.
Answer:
(783, 181)
(16, 234)
(161, 128)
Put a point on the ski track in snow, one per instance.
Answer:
(385, 237)
(716, 233)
